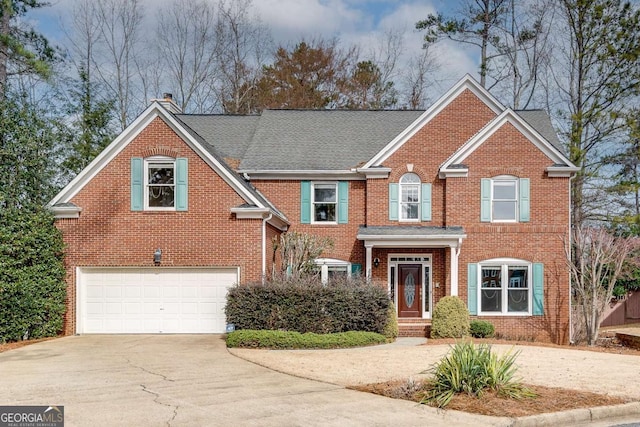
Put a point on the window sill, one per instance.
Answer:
(504, 314)
(156, 212)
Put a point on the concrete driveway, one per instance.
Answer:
(182, 380)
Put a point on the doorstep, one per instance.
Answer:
(408, 327)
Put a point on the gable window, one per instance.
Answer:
(409, 197)
(505, 199)
(324, 202)
(160, 184)
(505, 287)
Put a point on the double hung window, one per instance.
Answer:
(160, 184)
(505, 288)
(324, 202)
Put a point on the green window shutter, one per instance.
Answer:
(538, 289)
(472, 288)
(305, 202)
(485, 200)
(137, 184)
(343, 202)
(523, 197)
(426, 202)
(393, 202)
(356, 269)
(182, 184)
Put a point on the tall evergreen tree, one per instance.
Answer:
(32, 287)
(22, 50)
(91, 129)
(599, 80)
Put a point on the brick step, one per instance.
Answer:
(414, 328)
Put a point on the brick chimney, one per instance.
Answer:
(167, 102)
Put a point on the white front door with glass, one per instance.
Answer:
(410, 285)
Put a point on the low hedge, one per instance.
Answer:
(306, 305)
(295, 340)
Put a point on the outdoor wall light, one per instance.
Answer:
(157, 256)
(376, 262)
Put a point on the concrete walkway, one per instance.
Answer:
(190, 380)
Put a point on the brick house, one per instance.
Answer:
(467, 198)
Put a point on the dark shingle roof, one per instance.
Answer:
(315, 139)
(540, 121)
(217, 155)
(322, 139)
(230, 135)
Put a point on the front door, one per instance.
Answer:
(409, 290)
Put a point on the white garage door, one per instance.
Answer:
(153, 300)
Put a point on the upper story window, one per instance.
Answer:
(410, 197)
(505, 199)
(325, 200)
(160, 183)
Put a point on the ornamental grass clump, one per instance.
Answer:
(472, 369)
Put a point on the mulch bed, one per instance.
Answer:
(548, 399)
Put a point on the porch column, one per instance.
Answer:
(453, 268)
(368, 249)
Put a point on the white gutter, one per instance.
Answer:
(570, 260)
(264, 246)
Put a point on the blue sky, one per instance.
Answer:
(353, 21)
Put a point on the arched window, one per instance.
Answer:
(410, 197)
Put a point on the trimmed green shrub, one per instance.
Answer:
(481, 329)
(32, 287)
(450, 318)
(391, 328)
(473, 369)
(295, 340)
(306, 305)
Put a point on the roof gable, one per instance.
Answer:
(454, 165)
(196, 143)
(466, 83)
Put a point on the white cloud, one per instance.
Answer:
(292, 20)
(354, 22)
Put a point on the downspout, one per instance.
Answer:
(264, 246)
(570, 254)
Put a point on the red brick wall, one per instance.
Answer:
(108, 233)
(456, 202)
(426, 150)
(285, 194)
(507, 152)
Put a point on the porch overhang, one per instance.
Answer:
(411, 236)
(414, 237)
